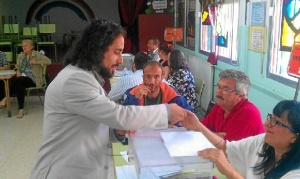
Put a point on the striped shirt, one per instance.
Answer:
(128, 81)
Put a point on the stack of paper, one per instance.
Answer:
(180, 144)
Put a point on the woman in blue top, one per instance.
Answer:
(181, 78)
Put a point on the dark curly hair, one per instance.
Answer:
(165, 47)
(289, 110)
(140, 60)
(88, 51)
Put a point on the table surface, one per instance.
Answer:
(6, 74)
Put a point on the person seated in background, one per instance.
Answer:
(153, 90)
(131, 80)
(163, 52)
(274, 154)
(233, 117)
(152, 46)
(181, 77)
(3, 66)
(29, 70)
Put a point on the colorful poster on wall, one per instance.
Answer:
(258, 13)
(257, 39)
(294, 63)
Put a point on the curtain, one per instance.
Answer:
(129, 11)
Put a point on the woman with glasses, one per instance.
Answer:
(274, 154)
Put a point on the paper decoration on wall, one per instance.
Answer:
(290, 25)
(257, 39)
(294, 63)
(208, 14)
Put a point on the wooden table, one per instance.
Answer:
(6, 75)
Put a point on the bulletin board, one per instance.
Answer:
(257, 39)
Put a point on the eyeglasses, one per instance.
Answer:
(225, 90)
(273, 122)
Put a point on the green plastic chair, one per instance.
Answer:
(10, 35)
(199, 88)
(37, 89)
(45, 31)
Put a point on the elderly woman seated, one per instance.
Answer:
(274, 154)
(29, 70)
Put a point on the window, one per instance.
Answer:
(285, 29)
(219, 28)
(186, 10)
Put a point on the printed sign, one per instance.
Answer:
(294, 63)
(257, 38)
(173, 34)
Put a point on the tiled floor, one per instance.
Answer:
(20, 140)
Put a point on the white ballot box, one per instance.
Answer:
(150, 155)
(128, 59)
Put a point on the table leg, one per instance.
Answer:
(8, 107)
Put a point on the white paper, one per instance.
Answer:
(126, 172)
(124, 155)
(180, 144)
(126, 54)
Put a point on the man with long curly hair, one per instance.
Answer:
(78, 115)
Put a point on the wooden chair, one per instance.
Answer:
(37, 89)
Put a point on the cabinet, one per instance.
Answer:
(153, 25)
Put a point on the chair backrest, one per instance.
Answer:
(47, 28)
(10, 30)
(210, 106)
(45, 76)
(199, 86)
(53, 69)
(9, 56)
(30, 31)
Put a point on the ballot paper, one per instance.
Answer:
(126, 172)
(180, 144)
(124, 154)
